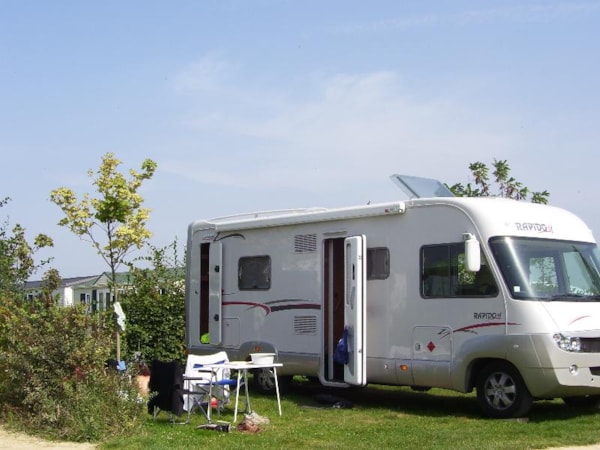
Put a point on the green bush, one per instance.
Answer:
(53, 377)
(155, 307)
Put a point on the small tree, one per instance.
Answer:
(17, 262)
(114, 222)
(506, 185)
(51, 281)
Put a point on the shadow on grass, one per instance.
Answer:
(432, 403)
(393, 417)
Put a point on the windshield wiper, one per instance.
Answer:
(574, 297)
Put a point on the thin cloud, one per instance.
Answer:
(533, 13)
(363, 124)
(207, 74)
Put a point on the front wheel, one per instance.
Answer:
(585, 401)
(501, 391)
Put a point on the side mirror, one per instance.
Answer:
(472, 253)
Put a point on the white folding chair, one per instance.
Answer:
(204, 381)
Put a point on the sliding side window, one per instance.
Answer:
(378, 263)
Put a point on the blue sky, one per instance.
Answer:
(270, 104)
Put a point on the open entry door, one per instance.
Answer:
(355, 293)
(215, 286)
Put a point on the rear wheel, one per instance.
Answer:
(264, 381)
(501, 391)
(420, 388)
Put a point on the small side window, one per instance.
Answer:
(254, 273)
(378, 263)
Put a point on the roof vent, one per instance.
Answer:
(419, 187)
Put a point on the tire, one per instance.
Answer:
(501, 392)
(420, 388)
(264, 382)
(584, 401)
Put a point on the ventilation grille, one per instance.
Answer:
(305, 325)
(305, 243)
(590, 345)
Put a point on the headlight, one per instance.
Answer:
(568, 344)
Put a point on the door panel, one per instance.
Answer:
(215, 286)
(355, 372)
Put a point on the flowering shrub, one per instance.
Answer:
(53, 376)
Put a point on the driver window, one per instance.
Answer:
(443, 274)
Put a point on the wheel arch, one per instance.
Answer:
(475, 368)
(256, 347)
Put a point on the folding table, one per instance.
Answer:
(242, 368)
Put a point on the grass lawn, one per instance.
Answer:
(381, 417)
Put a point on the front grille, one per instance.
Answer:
(590, 345)
(595, 370)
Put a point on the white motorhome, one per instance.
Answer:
(458, 293)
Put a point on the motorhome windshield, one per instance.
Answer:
(548, 270)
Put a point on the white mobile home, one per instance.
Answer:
(92, 291)
(459, 293)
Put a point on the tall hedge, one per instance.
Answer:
(155, 307)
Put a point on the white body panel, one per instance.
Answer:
(408, 339)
